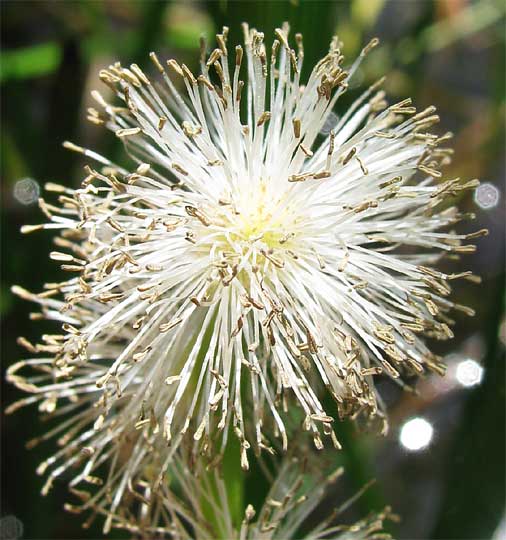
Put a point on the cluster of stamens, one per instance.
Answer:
(246, 267)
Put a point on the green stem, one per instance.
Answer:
(233, 480)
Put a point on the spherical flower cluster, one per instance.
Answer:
(247, 267)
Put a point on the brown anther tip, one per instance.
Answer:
(175, 66)
(128, 132)
(238, 55)
(74, 147)
(26, 229)
(156, 62)
(188, 74)
(296, 127)
(373, 43)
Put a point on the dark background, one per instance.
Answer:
(449, 53)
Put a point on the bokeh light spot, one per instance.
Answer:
(416, 434)
(329, 124)
(26, 191)
(486, 196)
(469, 373)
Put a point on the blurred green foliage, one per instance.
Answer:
(447, 52)
(33, 61)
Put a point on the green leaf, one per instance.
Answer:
(32, 61)
(13, 163)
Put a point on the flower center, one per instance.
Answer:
(262, 217)
(256, 224)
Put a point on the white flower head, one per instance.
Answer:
(247, 267)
